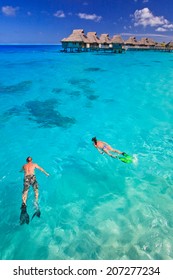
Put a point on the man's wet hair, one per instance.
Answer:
(94, 139)
(29, 159)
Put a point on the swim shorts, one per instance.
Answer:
(30, 180)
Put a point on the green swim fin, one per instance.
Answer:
(126, 158)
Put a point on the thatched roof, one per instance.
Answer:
(151, 42)
(92, 37)
(77, 36)
(116, 39)
(146, 42)
(142, 42)
(104, 38)
(131, 41)
(169, 45)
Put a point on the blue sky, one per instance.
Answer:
(49, 21)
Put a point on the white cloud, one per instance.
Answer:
(165, 27)
(145, 1)
(59, 14)
(90, 17)
(168, 26)
(9, 10)
(161, 29)
(127, 27)
(145, 35)
(145, 17)
(85, 4)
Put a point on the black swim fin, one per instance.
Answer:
(37, 213)
(24, 217)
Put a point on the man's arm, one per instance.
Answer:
(22, 169)
(41, 169)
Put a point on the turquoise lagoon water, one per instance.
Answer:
(92, 206)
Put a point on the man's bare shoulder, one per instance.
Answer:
(32, 165)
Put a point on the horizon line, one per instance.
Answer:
(28, 44)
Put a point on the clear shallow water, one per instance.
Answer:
(92, 206)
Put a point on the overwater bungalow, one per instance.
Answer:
(146, 43)
(143, 42)
(104, 41)
(92, 41)
(151, 42)
(75, 42)
(117, 43)
(131, 42)
(78, 41)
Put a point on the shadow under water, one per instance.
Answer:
(85, 85)
(80, 82)
(10, 113)
(45, 114)
(94, 69)
(19, 87)
(57, 90)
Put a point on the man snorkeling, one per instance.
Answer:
(30, 180)
(103, 147)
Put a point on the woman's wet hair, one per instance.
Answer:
(29, 159)
(94, 139)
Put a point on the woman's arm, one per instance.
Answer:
(98, 149)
